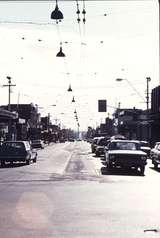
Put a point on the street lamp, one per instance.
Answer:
(131, 85)
(148, 79)
(69, 89)
(73, 99)
(56, 14)
(60, 53)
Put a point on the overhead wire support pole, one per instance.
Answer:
(9, 85)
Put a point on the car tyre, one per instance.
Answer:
(109, 166)
(142, 169)
(28, 162)
(97, 154)
(3, 163)
(35, 160)
(155, 165)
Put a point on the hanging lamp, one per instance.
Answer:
(73, 100)
(56, 14)
(60, 53)
(69, 89)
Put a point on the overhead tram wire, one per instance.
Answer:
(56, 15)
(61, 54)
(82, 34)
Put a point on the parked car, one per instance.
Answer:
(145, 147)
(125, 154)
(94, 144)
(62, 140)
(37, 144)
(13, 151)
(71, 139)
(155, 155)
(101, 143)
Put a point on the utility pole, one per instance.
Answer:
(9, 85)
(147, 104)
(147, 96)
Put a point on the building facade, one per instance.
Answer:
(155, 115)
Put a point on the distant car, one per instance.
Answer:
(101, 144)
(155, 155)
(71, 139)
(125, 154)
(62, 140)
(13, 151)
(37, 144)
(94, 144)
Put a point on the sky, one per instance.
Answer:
(120, 39)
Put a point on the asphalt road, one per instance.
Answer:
(69, 193)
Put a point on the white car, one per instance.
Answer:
(125, 154)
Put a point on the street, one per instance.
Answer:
(69, 193)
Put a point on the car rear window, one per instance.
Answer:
(103, 142)
(17, 145)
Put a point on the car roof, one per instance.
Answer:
(16, 141)
(136, 141)
(103, 138)
(98, 137)
(133, 141)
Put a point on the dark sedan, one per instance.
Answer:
(13, 151)
(101, 143)
(125, 154)
(94, 144)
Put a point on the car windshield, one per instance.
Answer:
(123, 146)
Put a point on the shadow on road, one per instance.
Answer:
(120, 171)
(155, 169)
(14, 165)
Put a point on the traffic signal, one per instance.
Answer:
(102, 105)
